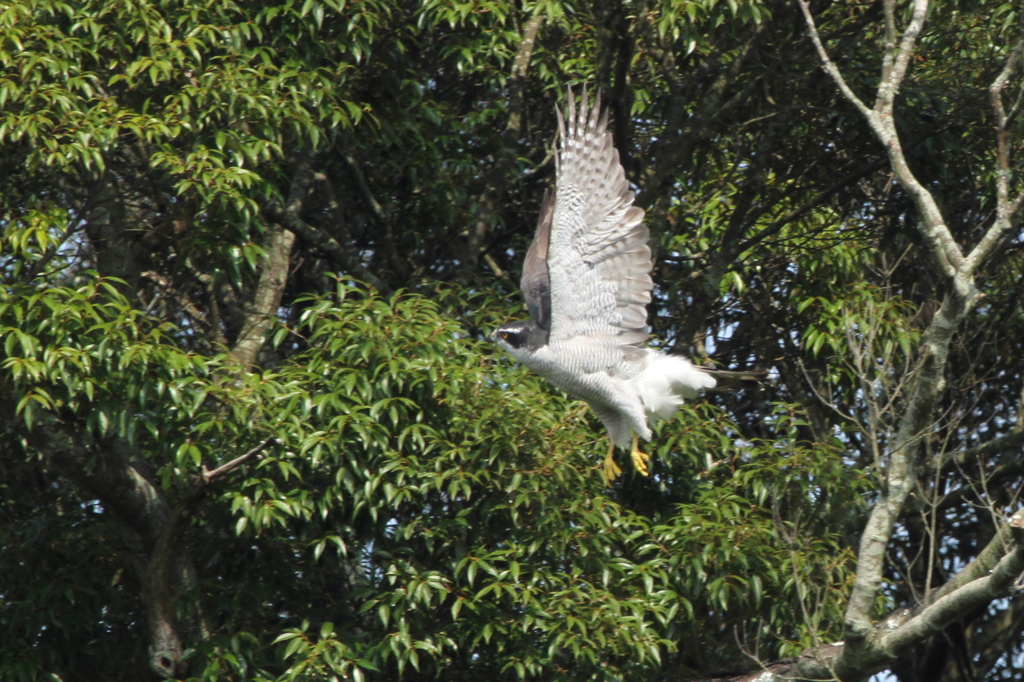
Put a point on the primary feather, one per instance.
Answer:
(599, 261)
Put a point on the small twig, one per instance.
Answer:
(38, 267)
(824, 401)
(187, 306)
(493, 264)
(209, 476)
(200, 486)
(153, 301)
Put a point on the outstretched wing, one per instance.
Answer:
(599, 263)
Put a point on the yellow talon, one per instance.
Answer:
(611, 469)
(640, 459)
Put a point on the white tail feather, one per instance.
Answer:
(667, 381)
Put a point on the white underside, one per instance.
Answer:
(666, 381)
(625, 395)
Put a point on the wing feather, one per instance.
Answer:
(535, 282)
(599, 262)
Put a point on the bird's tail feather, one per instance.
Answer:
(726, 380)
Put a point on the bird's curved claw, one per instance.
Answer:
(611, 469)
(640, 459)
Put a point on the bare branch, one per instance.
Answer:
(932, 226)
(954, 604)
(996, 92)
(1009, 441)
(339, 255)
(210, 476)
(1006, 212)
(801, 211)
(376, 210)
(186, 304)
(824, 400)
(892, 79)
(830, 68)
(901, 476)
(380, 216)
(999, 475)
(929, 381)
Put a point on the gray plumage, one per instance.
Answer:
(587, 282)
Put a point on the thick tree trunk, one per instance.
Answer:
(114, 231)
(113, 472)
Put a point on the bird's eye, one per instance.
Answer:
(504, 335)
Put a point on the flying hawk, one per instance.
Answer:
(587, 283)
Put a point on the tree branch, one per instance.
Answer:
(818, 200)
(953, 604)
(960, 298)
(262, 309)
(1006, 212)
(991, 576)
(826, 62)
(932, 226)
(187, 306)
(114, 473)
(1009, 441)
(999, 475)
(398, 264)
(488, 201)
(209, 477)
(339, 255)
(893, 77)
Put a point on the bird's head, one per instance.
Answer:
(520, 339)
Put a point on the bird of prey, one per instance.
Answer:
(587, 282)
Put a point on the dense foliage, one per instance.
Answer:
(253, 429)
